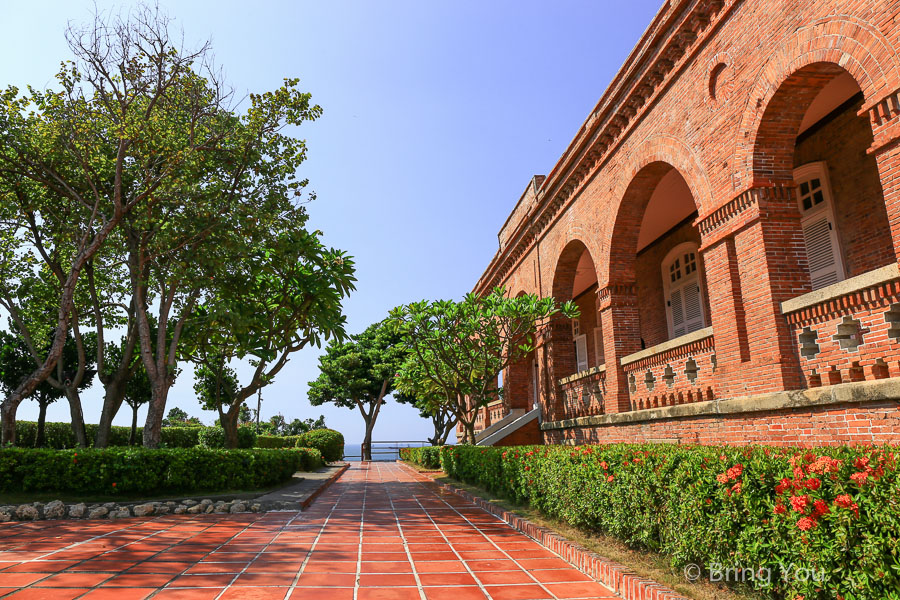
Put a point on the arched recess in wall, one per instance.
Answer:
(576, 343)
(845, 43)
(811, 137)
(654, 251)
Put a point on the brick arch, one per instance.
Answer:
(646, 166)
(564, 270)
(789, 81)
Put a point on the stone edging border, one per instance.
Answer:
(304, 504)
(617, 577)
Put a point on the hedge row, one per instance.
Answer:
(329, 442)
(59, 436)
(820, 523)
(426, 456)
(138, 470)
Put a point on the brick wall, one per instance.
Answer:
(717, 90)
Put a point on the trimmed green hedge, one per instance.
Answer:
(311, 458)
(428, 457)
(832, 510)
(214, 437)
(329, 442)
(277, 441)
(139, 470)
(59, 436)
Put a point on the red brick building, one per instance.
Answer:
(728, 221)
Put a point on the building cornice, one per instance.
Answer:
(677, 32)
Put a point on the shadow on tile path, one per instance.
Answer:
(378, 533)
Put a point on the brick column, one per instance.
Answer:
(621, 330)
(755, 259)
(885, 119)
(557, 361)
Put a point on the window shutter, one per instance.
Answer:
(693, 311)
(598, 346)
(821, 251)
(581, 353)
(677, 308)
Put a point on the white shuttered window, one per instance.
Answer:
(815, 202)
(681, 282)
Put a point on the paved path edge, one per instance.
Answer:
(617, 577)
(306, 502)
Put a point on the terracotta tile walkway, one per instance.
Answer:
(379, 533)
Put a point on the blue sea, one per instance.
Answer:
(388, 451)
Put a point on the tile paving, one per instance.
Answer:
(379, 533)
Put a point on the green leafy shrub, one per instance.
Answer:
(834, 511)
(428, 457)
(277, 441)
(180, 437)
(211, 437)
(328, 441)
(246, 437)
(138, 470)
(311, 458)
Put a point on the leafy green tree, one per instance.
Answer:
(431, 406)
(457, 350)
(179, 418)
(284, 294)
(137, 393)
(359, 374)
(297, 426)
(129, 127)
(216, 385)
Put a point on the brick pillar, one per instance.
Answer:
(727, 316)
(559, 357)
(621, 330)
(887, 156)
(755, 259)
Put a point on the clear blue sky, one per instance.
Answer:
(436, 115)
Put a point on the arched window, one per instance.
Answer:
(816, 205)
(681, 283)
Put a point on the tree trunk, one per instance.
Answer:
(468, 432)
(367, 441)
(8, 422)
(112, 402)
(40, 438)
(133, 439)
(155, 412)
(229, 425)
(77, 416)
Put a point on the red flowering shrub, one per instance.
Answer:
(829, 509)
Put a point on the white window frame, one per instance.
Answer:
(581, 360)
(598, 345)
(819, 170)
(676, 253)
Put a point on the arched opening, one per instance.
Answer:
(655, 247)
(812, 136)
(578, 344)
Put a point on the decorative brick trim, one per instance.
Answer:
(619, 578)
(743, 209)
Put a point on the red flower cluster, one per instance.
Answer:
(845, 501)
(799, 503)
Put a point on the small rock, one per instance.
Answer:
(180, 510)
(209, 509)
(171, 504)
(76, 511)
(27, 512)
(109, 505)
(120, 513)
(256, 507)
(100, 511)
(194, 510)
(5, 516)
(189, 502)
(142, 510)
(55, 510)
(206, 502)
(238, 507)
(163, 510)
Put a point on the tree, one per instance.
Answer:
(296, 427)
(128, 128)
(359, 373)
(284, 294)
(216, 386)
(17, 363)
(137, 392)
(457, 350)
(179, 418)
(431, 406)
